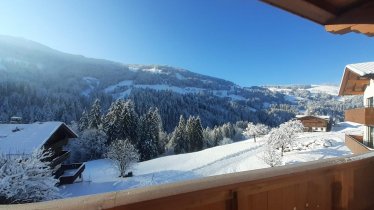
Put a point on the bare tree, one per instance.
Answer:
(285, 135)
(124, 155)
(256, 130)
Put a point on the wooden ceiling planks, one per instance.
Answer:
(353, 84)
(338, 16)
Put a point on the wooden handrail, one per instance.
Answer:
(338, 183)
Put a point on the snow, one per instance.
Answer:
(328, 89)
(123, 90)
(100, 175)
(362, 69)
(326, 117)
(69, 172)
(154, 70)
(112, 88)
(27, 138)
(92, 82)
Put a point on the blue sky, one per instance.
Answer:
(244, 41)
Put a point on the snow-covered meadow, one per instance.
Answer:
(100, 176)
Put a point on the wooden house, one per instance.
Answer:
(315, 123)
(358, 79)
(23, 139)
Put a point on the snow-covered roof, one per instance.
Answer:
(362, 69)
(24, 138)
(326, 117)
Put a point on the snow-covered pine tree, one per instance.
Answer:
(83, 121)
(195, 134)
(179, 137)
(130, 124)
(25, 179)
(150, 129)
(123, 154)
(113, 122)
(94, 116)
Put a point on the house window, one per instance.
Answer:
(370, 136)
(369, 102)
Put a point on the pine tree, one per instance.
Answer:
(149, 143)
(179, 137)
(94, 117)
(130, 123)
(195, 134)
(83, 121)
(113, 122)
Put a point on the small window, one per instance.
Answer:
(369, 102)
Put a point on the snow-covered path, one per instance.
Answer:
(100, 176)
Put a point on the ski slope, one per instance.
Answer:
(100, 176)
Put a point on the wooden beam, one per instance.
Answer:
(359, 81)
(304, 9)
(363, 14)
(359, 20)
(367, 29)
(351, 92)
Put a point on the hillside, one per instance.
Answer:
(100, 176)
(40, 84)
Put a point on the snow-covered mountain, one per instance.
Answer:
(59, 86)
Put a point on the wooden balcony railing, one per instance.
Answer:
(59, 158)
(363, 116)
(338, 184)
(355, 144)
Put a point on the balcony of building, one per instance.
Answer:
(339, 183)
(356, 144)
(364, 115)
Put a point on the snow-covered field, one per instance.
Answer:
(100, 176)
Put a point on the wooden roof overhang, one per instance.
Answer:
(353, 83)
(62, 131)
(338, 16)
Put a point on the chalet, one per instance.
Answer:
(315, 123)
(358, 79)
(22, 139)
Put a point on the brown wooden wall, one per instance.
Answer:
(311, 121)
(338, 184)
(363, 116)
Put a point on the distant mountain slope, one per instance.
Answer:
(40, 83)
(318, 99)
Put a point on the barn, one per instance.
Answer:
(315, 123)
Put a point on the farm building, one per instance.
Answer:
(315, 123)
(23, 139)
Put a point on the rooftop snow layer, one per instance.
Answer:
(24, 138)
(362, 68)
(326, 117)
